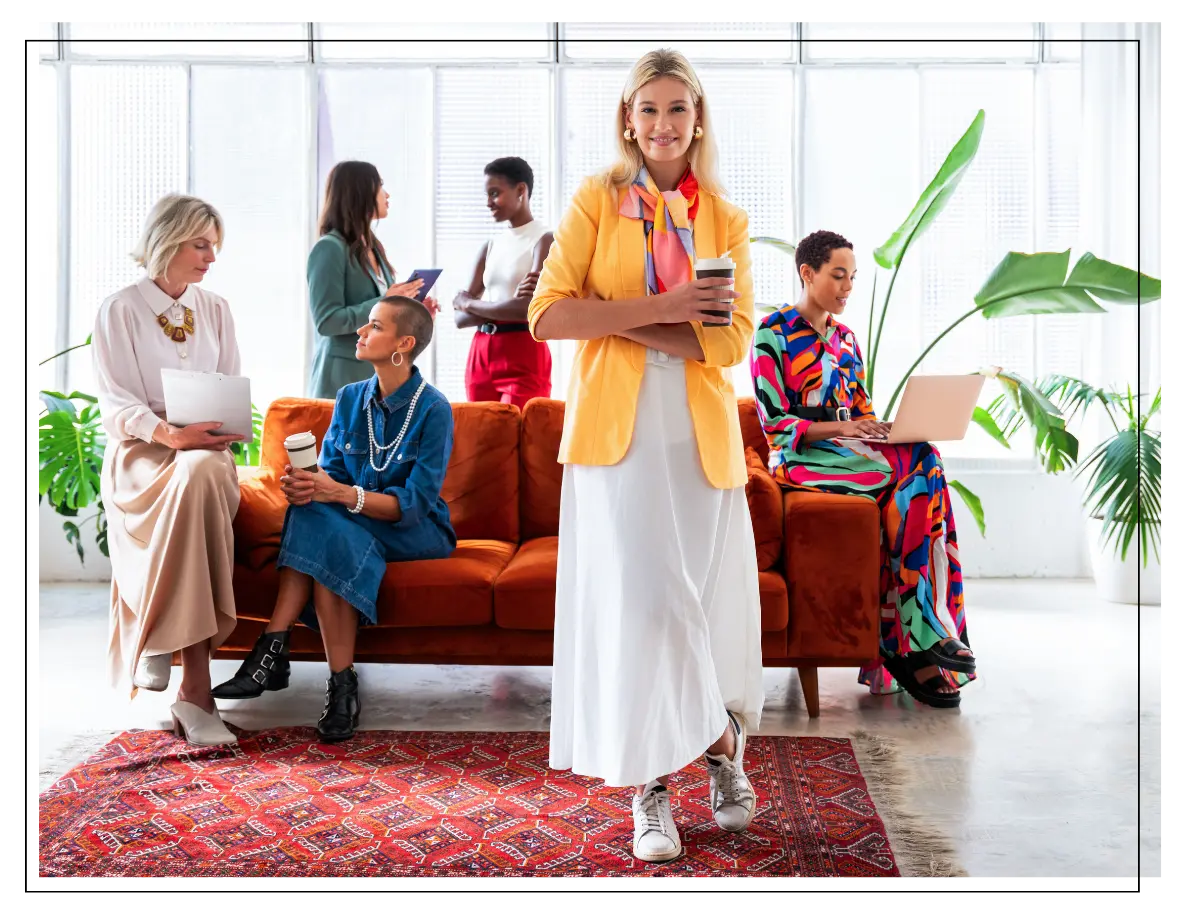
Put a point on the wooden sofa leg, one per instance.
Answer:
(808, 684)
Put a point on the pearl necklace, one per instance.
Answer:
(394, 446)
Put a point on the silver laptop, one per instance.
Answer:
(934, 408)
(193, 397)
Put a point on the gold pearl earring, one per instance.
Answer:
(629, 134)
(698, 132)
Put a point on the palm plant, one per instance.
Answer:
(1021, 284)
(1124, 472)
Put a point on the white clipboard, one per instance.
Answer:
(193, 397)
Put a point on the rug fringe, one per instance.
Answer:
(77, 750)
(921, 850)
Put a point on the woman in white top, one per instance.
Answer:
(170, 493)
(505, 363)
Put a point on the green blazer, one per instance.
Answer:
(340, 297)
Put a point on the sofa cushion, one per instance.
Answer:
(481, 480)
(541, 472)
(258, 523)
(452, 591)
(455, 591)
(831, 565)
(525, 590)
(765, 499)
(752, 433)
(290, 415)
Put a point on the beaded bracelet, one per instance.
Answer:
(362, 499)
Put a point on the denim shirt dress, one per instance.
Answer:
(349, 553)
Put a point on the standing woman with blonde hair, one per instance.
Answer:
(170, 493)
(657, 637)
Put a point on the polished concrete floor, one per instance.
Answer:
(1036, 774)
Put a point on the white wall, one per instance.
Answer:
(1035, 530)
(57, 560)
(1035, 526)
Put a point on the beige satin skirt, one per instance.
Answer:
(170, 541)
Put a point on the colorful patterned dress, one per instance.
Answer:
(920, 590)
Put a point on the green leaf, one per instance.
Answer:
(935, 196)
(1113, 283)
(1032, 284)
(983, 418)
(777, 243)
(1025, 403)
(70, 456)
(974, 504)
(71, 530)
(1124, 488)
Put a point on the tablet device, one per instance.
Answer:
(430, 276)
(193, 397)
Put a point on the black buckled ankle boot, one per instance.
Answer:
(266, 669)
(340, 718)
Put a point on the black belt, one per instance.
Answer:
(502, 327)
(822, 413)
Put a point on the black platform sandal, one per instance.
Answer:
(946, 656)
(266, 669)
(340, 718)
(904, 668)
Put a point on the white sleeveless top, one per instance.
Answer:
(509, 259)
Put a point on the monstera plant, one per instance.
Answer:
(70, 456)
(1021, 284)
(71, 444)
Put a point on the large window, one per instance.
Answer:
(841, 132)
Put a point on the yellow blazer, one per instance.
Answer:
(596, 250)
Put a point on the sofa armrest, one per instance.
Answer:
(765, 499)
(831, 566)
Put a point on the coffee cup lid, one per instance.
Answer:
(300, 439)
(722, 262)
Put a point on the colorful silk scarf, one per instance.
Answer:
(670, 252)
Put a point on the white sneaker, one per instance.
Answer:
(729, 791)
(153, 672)
(654, 836)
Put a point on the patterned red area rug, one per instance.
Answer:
(279, 803)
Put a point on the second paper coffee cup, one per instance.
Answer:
(723, 267)
(301, 450)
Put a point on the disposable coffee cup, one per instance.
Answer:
(301, 450)
(717, 268)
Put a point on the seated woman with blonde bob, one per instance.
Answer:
(170, 493)
(374, 499)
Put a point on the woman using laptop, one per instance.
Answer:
(657, 635)
(809, 386)
(375, 499)
(505, 362)
(170, 493)
(348, 272)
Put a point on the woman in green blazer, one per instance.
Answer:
(348, 272)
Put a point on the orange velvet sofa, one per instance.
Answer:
(492, 601)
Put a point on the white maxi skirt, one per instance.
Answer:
(656, 621)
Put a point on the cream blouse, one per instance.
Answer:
(130, 351)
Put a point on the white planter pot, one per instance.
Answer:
(1116, 581)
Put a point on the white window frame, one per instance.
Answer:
(556, 61)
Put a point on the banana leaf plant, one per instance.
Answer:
(1124, 472)
(1022, 284)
